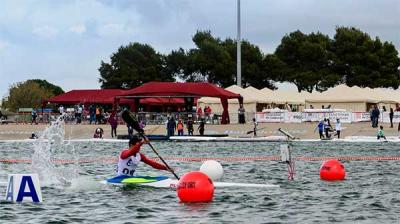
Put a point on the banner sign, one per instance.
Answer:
(270, 117)
(294, 117)
(361, 116)
(345, 117)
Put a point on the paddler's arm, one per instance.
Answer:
(152, 163)
(131, 151)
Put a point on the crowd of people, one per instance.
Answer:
(326, 130)
(172, 126)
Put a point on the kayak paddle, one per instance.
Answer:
(249, 132)
(130, 119)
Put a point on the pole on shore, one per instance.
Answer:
(238, 53)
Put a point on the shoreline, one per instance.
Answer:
(301, 130)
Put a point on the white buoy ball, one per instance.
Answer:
(213, 169)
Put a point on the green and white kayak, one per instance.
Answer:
(166, 182)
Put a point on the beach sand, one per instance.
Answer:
(303, 130)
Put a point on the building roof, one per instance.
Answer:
(176, 89)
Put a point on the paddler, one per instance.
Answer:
(129, 158)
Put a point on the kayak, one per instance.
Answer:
(150, 181)
(166, 182)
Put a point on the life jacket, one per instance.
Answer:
(180, 126)
(128, 166)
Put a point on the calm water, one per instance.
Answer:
(370, 193)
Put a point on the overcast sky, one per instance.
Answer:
(65, 41)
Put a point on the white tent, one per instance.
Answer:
(354, 98)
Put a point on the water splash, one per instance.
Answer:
(49, 145)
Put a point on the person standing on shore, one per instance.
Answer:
(255, 124)
(199, 113)
(34, 116)
(320, 127)
(241, 112)
(180, 127)
(201, 127)
(391, 114)
(338, 127)
(171, 126)
(92, 114)
(189, 126)
(114, 124)
(61, 109)
(375, 116)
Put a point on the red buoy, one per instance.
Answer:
(332, 170)
(195, 187)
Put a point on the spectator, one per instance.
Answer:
(327, 128)
(114, 124)
(130, 131)
(34, 116)
(338, 127)
(381, 133)
(397, 107)
(142, 124)
(384, 108)
(61, 109)
(180, 127)
(320, 128)
(33, 136)
(78, 114)
(391, 114)
(98, 133)
(98, 115)
(199, 113)
(241, 112)
(375, 116)
(92, 114)
(201, 127)
(189, 126)
(255, 124)
(171, 126)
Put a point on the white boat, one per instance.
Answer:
(228, 139)
(166, 182)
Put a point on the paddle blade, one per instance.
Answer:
(130, 119)
(249, 132)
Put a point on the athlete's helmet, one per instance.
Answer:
(134, 139)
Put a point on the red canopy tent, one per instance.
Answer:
(183, 90)
(88, 96)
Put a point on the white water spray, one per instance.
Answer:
(49, 144)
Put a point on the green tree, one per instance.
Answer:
(26, 94)
(363, 61)
(209, 61)
(54, 89)
(253, 72)
(133, 65)
(214, 60)
(307, 61)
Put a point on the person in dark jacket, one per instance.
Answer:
(391, 114)
(201, 127)
(171, 126)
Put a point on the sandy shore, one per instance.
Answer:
(303, 130)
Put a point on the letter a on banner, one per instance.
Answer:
(23, 187)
